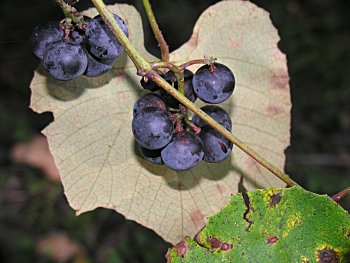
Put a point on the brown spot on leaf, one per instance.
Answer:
(234, 44)
(220, 189)
(272, 240)
(327, 255)
(273, 110)
(280, 81)
(182, 247)
(121, 96)
(214, 242)
(226, 246)
(197, 217)
(275, 199)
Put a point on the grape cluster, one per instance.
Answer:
(70, 50)
(163, 131)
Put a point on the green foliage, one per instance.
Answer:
(272, 225)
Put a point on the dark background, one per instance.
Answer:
(316, 38)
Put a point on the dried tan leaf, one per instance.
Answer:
(93, 146)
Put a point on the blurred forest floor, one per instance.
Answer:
(34, 213)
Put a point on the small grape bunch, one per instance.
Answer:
(69, 50)
(162, 129)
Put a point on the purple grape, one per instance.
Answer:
(76, 37)
(217, 113)
(149, 100)
(172, 79)
(153, 128)
(152, 156)
(44, 35)
(149, 85)
(216, 147)
(97, 67)
(102, 42)
(213, 83)
(65, 60)
(184, 152)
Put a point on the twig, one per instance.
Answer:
(337, 197)
(164, 48)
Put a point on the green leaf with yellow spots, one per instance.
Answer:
(272, 225)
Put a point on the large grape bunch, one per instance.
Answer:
(69, 51)
(162, 129)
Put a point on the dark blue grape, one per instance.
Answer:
(102, 42)
(149, 100)
(172, 79)
(44, 35)
(97, 67)
(217, 113)
(184, 152)
(65, 60)
(216, 147)
(153, 128)
(76, 37)
(213, 83)
(149, 84)
(152, 156)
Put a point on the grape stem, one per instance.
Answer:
(164, 48)
(145, 69)
(70, 12)
(208, 61)
(178, 71)
(337, 197)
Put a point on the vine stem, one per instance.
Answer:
(140, 63)
(178, 71)
(341, 194)
(145, 69)
(164, 48)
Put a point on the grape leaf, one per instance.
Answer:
(272, 225)
(91, 138)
